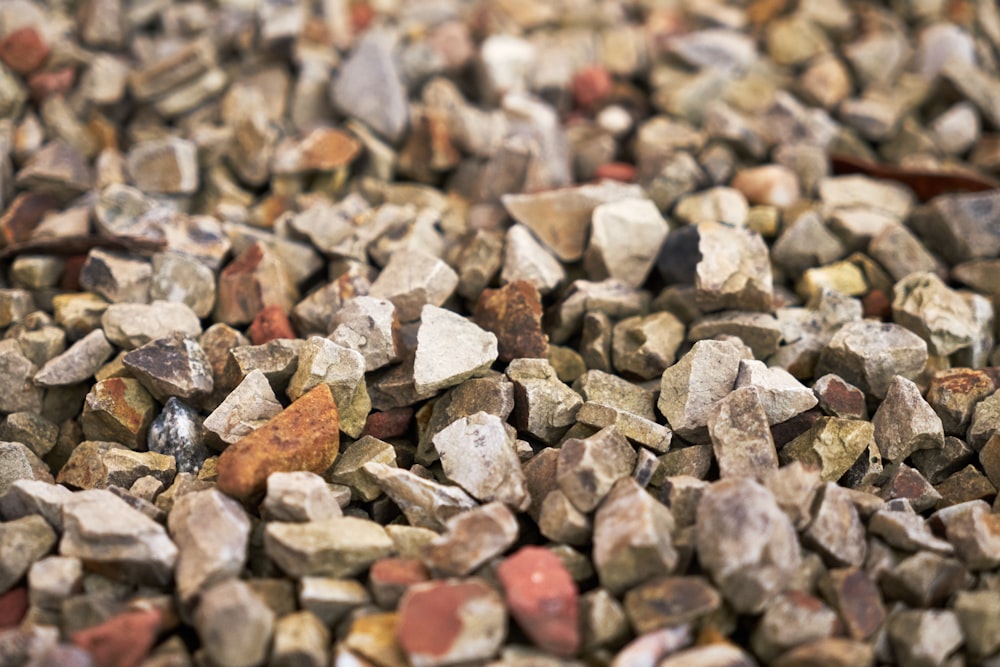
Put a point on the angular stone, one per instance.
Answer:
(121, 639)
(542, 598)
(857, 599)
(560, 520)
(625, 238)
(831, 652)
(670, 601)
(300, 638)
(958, 225)
(424, 502)
(973, 531)
(907, 531)
(211, 532)
(338, 547)
(806, 243)
(544, 407)
(450, 349)
(450, 622)
(838, 398)
(382, 107)
(17, 392)
(632, 537)
(413, 279)
(793, 618)
(53, 579)
(734, 271)
(924, 638)
(178, 432)
(689, 388)
(740, 434)
(99, 465)
(234, 624)
(904, 422)
(76, 364)
(131, 325)
(322, 149)
(330, 599)
(833, 444)
(758, 331)
(477, 453)
(954, 394)
(56, 168)
(305, 436)
(869, 354)
(369, 326)
(256, 278)
(174, 366)
(299, 496)
(526, 260)
(595, 341)
(248, 407)
(836, 531)
(780, 394)
(349, 469)
(321, 361)
(110, 537)
(611, 297)
(471, 539)
(636, 429)
(117, 277)
(924, 579)
(978, 615)
(22, 542)
(610, 390)
(119, 410)
(907, 483)
(34, 431)
(938, 314)
(645, 346)
(389, 578)
(936, 465)
(184, 279)
(513, 313)
(746, 543)
(164, 166)
(27, 497)
(985, 421)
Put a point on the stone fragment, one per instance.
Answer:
(544, 407)
(869, 354)
(384, 107)
(587, 469)
(709, 656)
(856, 597)
(833, 444)
(321, 361)
(636, 429)
(907, 483)
(424, 502)
(832, 652)
(124, 638)
(389, 578)
(22, 542)
(25, 497)
(174, 366)
(595, 341)
(670, 601)
(806, 243)
(838, 398)
(471, 539)
(513, 313)
(978, 615)
(34, 431)
(211, 532)
(178, 432)
(734, 271)
(625, 238)
(270, 323)
(610, 390)
(938, 314)
(349, 469)
(117, 277)
(542, 598)
(560, 520)
(836, 531)
(740, 434)
(299, 496)
(164, 166)
(305, 436)
(56, 168)
(450, 349)
(256, 278)
(99, 465)
(924, 637)
(965, 485)
(413, 279)
(985, 421)
(526, 260)
(53, 579)
(321, 149)
(17, 391)
(131, 325)
(369, 326)
(632, 537)
(645, 346)
(973, 532)
(477, 453)
(337, 547)
(449, 622)
(371, 636)
(330, 599)
(936, 465)
(248, 407)
(300, 639)
(689, 388)
(781, 395)
(759, 332)
(76, 364)
(181, 278)
(907, 531)
(120, 410)
(111, 537)
(793, 618)
(904, 422)
(746, 543)
(924, 579)
(234, 624)
(957, 226)
(611, 297)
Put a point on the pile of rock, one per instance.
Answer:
(507, 333)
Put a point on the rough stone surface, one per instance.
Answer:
(450, 349)
(740, 434)
(734, 271)
(542, 598)
(690, 388)
(870, 354)
(235, 624)
(337, 547)
(322, 361)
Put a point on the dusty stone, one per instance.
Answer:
(321, 361)
(965, 485)
(165, 166)
(174, 366)
(322, 149)
(901, 253)
(611, 297)
(542, 599)
(924, 637)
(909, 484)
(741, 438)
(978, 615)
(256, 278)
(544, 407)
(117, 277)
(836, 530)
(745, 542)
(34, 431)
(924, 579)
(450, 349)
(24, 541)
(907, 531)
(781, 395)
(595, 341)
(625, 238)
(956, 225)
(833, 444)
(305, 436)
(330, 599)
(389, 578)
(694, 384)
(870, 354)
(299, 496)
(17, 392)
(277, 359)
(838, 398)
(119, 410)
(926, 306)
(632, 537)
(936, 465)
(833, 651)
(452, 621)
(806, 243)
(337, 547)
(99, 465)
(636, 429)
(972, 530)
(425, 503)
(471, 539)
(734, 271)
(588, 469)
(300, 638)
(248, 407)
(904, 422)
(645, 346)
(350, 466)
(610, 390)
(670, 601)
(513, 313)
(76, 364)
(131, 325)
(26, 497)
(477, 453)
(759, 332)
(56, 168)
(793, 618)
(857, 599)
(526, 260)
(559, 520)
(413, 279)
(492, 393)
(985, 421)
(369, 326)
(384, 108)
(234, 624)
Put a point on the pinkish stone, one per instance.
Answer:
(24, 50)
(121, 641)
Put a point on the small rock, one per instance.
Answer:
(349, 469)
(305, 436)
(178, 432)
(299, 496)
(164, 166)
(338, 547)
(119, 410)
(383, 107)
(526, 260)
(734, 271)
(625, 239)
(610, 390)
(857, 599)
(925, 637)
(300, 638)
(588, 469)
(117, 277)
(740, 434)
(973, 532)
(76, 364)
(132, 325)
(938, 314)
(23, 541)
(833, 444)
(746, 543)
(924, 579)
(234, 624)
(453, 621)
(450, 349)
(870, 354)
(806, 243)
(413, 279)
(771, 184)
(321, 361)
(793, 618)
(53, 579)
(17, 392)
(322, 149)
(34, 431)
(26, 497)
(256, 278)
(24, 50)
(389, 578)
(694, 384)
(513, 313)
(248, 407)
(330, 599)
(542, 598)
(978, 615)
(832, 652)
(645, 346)
(174, 366)
(759, 332)
(425, 503)
(985, 421)
(669, 602)
(559, 520)
(372, 636)
(957, 225)
(781, 395)
(904, 422)
(184, 279)
(639, 430)
(471, 539)
(836, 531)
(123, 639)
(544, 407)
(369, 326)
(907, 531)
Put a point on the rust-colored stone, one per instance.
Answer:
(23, 215)
(13, 607)
(392, 423)
(390, 577)
(270, 324)
(23, 50)
(514, 314)
(876, 304)
(856, 597)
(305, 436)
(327, 149)
(542, 598)
(121, 641)
(616, 171)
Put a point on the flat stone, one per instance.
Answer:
(331, 599)
(544, 407)
(938, 314)
(588, 469)
(56, 168)
(670, 601)
(645, 346)
(936, 465)
(741, 437)
(471, 539)
(131, 325)
(99, 465)
(689, 388)
(833, 444)
(904, 422)
(793, 618)
(248, 407)
(424, 502)
(369, 326)
(452, 621)
(836, 531)
(907, 483)
(838, 398)
(760, 332)
(76, 364)
(967, 484)
(734, 271)
(299, 496)
(513, 313)
(901, 253)
(234, 624)
(870, 354)
(321, 361)
(23, 541)
(450, 349)
(632, 537)
(117, 277)
(477, 453)
(256, 278)
(526, 259)
(211, 532)
(924, 637)
(384, 107)
(746, 543)
(338, 547)
(542, 598)
(25, 497)
(181, 278)
(625, 239)
(636, 429)
(119, 410)
(615, 392)
(174, 366)
(833, 651)
(305, 436)
(164, 166)
(413, 279)
(110, 537)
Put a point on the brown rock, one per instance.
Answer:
(270, 323)
(542, 598)
(514, 313)
(255, 279)
(119, 410)
(305, 436)
(856, 597)
(393, 423)
(670, 601)
(13, 607)
(954, 393)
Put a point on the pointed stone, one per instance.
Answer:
(904, 422)
(689, 388)
(450, 349)
(321, 361)
(741, 436)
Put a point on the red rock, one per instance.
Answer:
(591, 86)
(121, 641)
(305, 436)
(56, 82)
(362, 15)
(542, 598)
(392, 423)
(270, 324)
(876, 304)
(390, 577)
(70, 280)
(23, 50)
(514, 314)
(255, 279)
(13, 607)
(617, 171)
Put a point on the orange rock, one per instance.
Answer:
(270, 324)
(121, 641)
(542, 598)
(305, 436)
(24, 50)
(616, 171)
(514, 314)
(591, 86)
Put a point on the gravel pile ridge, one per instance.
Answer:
(507, 333)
